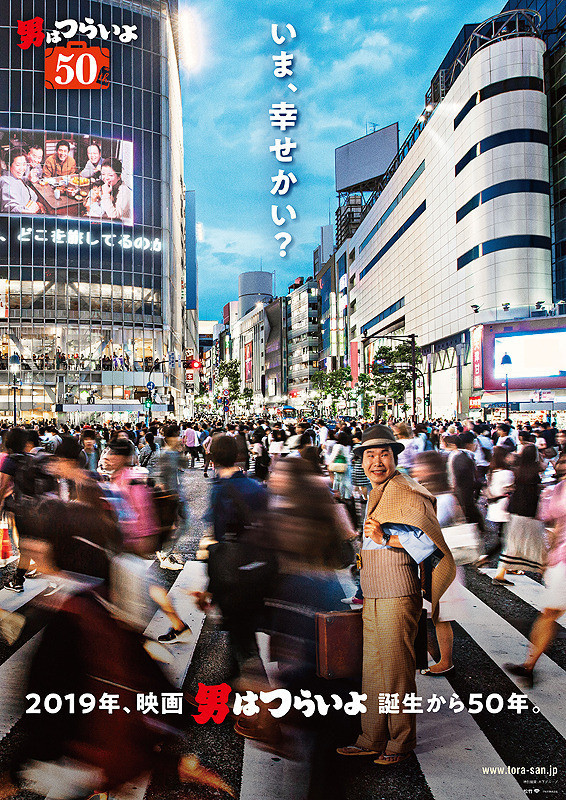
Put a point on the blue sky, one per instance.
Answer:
(355, 62)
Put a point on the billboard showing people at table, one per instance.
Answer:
(66, 175)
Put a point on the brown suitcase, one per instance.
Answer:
(339, 644)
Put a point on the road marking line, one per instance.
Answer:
(452, 750)
(502, 642)
(525, 589)
(192, 578)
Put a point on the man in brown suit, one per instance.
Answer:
(401, 531)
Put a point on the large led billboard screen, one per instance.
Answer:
(536, 349)
(533, 355)
(45, 173)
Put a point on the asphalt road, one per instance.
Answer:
(456, 750)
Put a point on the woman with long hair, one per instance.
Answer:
(360, 480)
(260, 454)
(524, 546)
(116, 196)
(500, 481)
(149, 451)
(552, 511)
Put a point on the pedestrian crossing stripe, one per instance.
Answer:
(452, 749)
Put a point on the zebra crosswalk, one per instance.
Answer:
(457, 753)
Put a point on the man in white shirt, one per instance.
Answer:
(191, 443)
(322, 431)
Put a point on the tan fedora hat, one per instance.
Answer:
(378, 436)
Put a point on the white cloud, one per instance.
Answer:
(373, 54)
(236, 241)
(326, 24)
(418, 13)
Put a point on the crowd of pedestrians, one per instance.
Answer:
(291, 503)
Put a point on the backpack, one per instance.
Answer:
(241, 570)
(145, 458)
(261, 464)
(51, 445)
(31, 479)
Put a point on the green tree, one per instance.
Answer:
(230, 370)
(391, 369)
(319, 380)
(368, 390)
(248, 397)
(337, 384)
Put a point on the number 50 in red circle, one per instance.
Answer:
(77, 66)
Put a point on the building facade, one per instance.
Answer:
(92, 283)
(458, 235)
(303, 340)
(553, 31)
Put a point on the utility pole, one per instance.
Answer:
(414, 375)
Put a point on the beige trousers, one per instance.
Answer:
(389, 630)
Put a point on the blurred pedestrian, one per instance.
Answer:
(553, 512)
(524, 546)
(429, 470)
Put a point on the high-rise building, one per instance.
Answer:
(92, 250)
(454, 245)
(303, 340)
(553, 31)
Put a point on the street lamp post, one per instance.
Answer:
(226, 399)
(149, 399)
(414, 375)
(14, 369)
(506, 362)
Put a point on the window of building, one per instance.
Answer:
(499, 139)
(395, 238)
(501, 189)
(520, 83)
(388, 311)
(503, 243)
(416, 174)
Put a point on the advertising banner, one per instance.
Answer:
(477, 357)
(533, 353)
(248, 351)
(60, 174)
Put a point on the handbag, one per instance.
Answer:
(464, 542)
(339, 464)
(347, 553)
(241, 575)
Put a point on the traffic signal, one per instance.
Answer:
(148, 402)
(192, 363)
